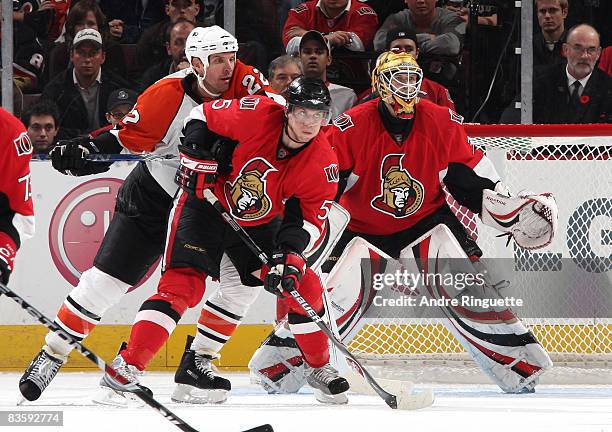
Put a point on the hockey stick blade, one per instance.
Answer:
(262, 428)
(400, 401)
(408, 400)
(120, 157)
(130, 386)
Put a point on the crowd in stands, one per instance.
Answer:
(79, 65)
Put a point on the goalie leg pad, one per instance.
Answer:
(496, 339)
(277, 365)
(531, 219)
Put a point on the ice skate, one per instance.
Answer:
(196, 382)
(329, 387)
(43, 368)
(113, 393)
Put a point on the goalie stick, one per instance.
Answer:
(128, 385)
(399, 401)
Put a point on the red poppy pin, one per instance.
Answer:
(584, 99)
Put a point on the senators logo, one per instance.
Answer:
(401, 195)
(247, 195)
(23, 145)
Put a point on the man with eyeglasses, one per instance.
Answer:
(548, 42)
(41, 121)
(576, 92)
(120, 103)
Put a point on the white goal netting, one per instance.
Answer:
(574, 162)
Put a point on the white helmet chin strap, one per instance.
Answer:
(202, 83)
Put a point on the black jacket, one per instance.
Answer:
(551, 98)
(73, 113)
(153, 74)
(542, 57)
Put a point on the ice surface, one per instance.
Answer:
(457, 408)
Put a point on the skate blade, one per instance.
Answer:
(328, 399)
(188, 394)
(109, 397)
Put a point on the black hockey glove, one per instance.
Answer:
(8, 250)
(70, 157)
(222, 152)
(286, 271)
(197, 171)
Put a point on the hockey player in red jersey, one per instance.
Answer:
(280, 185)
(16, 209)
(154, 126)
(393, 154)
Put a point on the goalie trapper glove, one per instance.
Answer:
(70, 157)
(529, 218)
(197, 170)
(8, 250)
(286, 271)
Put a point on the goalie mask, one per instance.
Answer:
(397, 78)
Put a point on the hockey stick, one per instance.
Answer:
(400, 401)
(129, 386)
(119, 157)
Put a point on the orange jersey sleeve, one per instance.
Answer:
(247, 81)
(149, 121)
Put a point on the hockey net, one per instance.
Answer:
(574, 162)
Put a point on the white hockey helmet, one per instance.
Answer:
(203, 42)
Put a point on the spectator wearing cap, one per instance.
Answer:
(405, 40)
(176, 59)
(547, 43)
(86, 14)
(315, 54)
(282, 71)
(439, 31)
(577, 92)
(120, 102)
(151, 47)
(42, 123)
(345, 23)
(82, 90)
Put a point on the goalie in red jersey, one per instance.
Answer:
(393, 152)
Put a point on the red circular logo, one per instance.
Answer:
(78, 226)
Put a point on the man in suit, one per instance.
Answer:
(575, 92)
